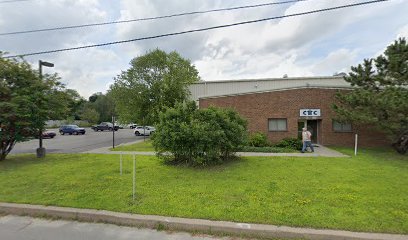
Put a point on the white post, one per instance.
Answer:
(121, 164)
(134, 177)
(355, 145)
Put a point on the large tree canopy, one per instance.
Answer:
(380, 97)
(99, 108)
(26, 102)
(154, 81)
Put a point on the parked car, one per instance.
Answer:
(132, 125)
(48, 134)
(71, 129)
(104, 126)
(120, 125)
(146, 130)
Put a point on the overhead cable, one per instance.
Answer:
(147, 18)
(198, 30)
(11, 1)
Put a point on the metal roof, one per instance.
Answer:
(206, 89)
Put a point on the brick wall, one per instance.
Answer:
(257, 108)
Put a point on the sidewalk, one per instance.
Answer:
(320, 151)
(189, 225)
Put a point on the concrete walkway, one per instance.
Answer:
(189, 225)
(320, 151)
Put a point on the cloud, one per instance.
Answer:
(81, 70)
(337, 61)
(45, 14)
(291, 45)
(316, 44)
(403, 32)
(88, 71)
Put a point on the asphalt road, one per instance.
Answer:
(22, 228)
(77, 143)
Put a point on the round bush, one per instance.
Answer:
(291, 143)
(258, 139)
(198, 137)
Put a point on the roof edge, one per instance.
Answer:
(275, 90)
(269, 79)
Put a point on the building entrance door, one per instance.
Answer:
(312, 128)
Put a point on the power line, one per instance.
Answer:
(147, 18)
(198, 30)
(11, 1)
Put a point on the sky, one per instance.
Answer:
(318, 44)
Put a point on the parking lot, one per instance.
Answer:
(78, 143)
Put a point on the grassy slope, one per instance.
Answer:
(364, 193)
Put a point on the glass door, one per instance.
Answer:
(312, 128)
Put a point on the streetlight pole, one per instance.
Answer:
(113, 131)
(40, 149)
(144, 130)
(113, 124)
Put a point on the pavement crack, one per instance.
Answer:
(25, 226)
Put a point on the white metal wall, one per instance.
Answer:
(231, 87)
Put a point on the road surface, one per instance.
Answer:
(77, 143)
(25, 228)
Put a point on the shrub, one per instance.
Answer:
(265, 149)
(258, 139)
(291, 143)
(198, 137)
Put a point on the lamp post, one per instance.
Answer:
(144, 130)
(113, 131)
(40, 149)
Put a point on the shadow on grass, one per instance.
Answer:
(23, 160)
(216, 166)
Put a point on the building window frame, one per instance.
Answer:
(277, 119)
(343, 127)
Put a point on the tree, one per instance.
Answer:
(90, 114)
(105, 107)
(61, 102)
(94, 96)
(154, 82)
(380, 94)
(198, 137)
(26, 102)
(74, 103)
(101, 108)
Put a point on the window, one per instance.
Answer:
(341, 127)
(277, 124)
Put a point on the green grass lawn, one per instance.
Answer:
(145, 146)
(364, 193)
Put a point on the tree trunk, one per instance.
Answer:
(2, 156)
(5, 148)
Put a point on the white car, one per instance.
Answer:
(132, 125)
(147, 130)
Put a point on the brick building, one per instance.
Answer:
(281, 107)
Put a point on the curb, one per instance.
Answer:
(189, 225)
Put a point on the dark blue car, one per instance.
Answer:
(71, 129)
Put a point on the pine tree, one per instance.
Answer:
(380, 95)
